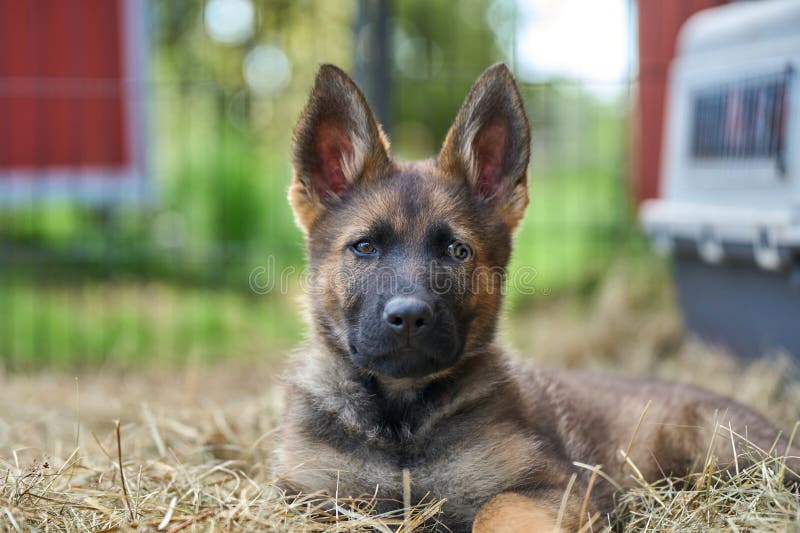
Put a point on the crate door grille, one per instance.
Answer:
(742, 120)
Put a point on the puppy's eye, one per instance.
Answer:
(364, 248)
(459, 251)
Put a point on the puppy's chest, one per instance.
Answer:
(466, 469)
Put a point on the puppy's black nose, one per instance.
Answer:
(407, 315)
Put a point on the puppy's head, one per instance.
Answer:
(408, 259)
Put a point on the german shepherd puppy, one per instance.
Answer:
(403, 372)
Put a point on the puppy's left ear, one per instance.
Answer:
(489, 144)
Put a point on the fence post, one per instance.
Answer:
(373, 59)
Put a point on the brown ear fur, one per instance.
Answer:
(337, 143)
(489, 144)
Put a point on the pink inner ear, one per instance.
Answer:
(489, 150)
(332, 145)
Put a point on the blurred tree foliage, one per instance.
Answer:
(439, 50)
(439, 47)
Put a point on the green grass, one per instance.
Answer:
(577, 224)
(128, 324)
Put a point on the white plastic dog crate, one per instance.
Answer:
(729, 210)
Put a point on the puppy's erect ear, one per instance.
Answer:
(489, 144)
(337, 143)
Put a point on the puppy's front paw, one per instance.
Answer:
(514, 513)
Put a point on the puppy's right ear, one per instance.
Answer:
(337, 144)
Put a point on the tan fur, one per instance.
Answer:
(499, 440)
(514, 513)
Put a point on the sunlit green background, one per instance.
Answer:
(169, 282)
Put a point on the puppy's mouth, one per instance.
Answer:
(405, 362)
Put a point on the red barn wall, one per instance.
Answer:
(61, 102)
(659, 24)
